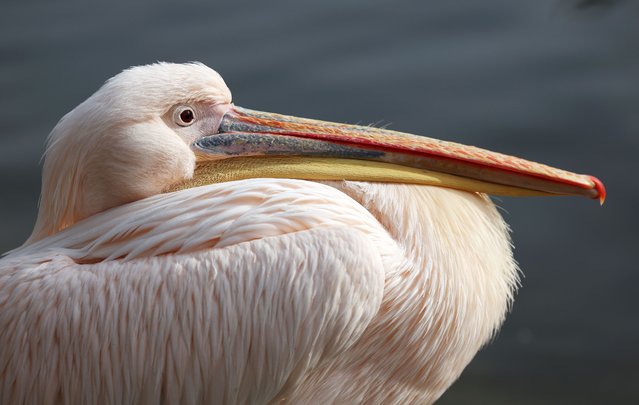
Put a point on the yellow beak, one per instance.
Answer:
(257, 144)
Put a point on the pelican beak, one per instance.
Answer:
(258, 144)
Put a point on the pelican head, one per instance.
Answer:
(162, 127)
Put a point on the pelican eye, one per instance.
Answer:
(184, 116)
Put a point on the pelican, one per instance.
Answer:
(189, 251)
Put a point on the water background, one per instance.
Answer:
(556, 81)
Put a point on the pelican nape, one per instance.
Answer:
(191, 251)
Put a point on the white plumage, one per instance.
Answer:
(296, 291)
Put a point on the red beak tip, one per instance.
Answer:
(601, 190)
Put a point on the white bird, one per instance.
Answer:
(190, 251)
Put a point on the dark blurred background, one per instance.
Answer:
(556, 81)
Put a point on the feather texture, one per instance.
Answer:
(299, 292)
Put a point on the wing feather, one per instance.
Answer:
(237, 322)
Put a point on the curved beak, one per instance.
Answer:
(258, 144)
